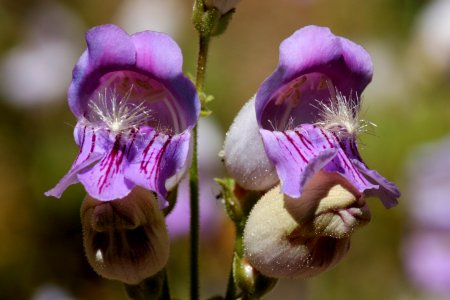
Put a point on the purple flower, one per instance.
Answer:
(135, 111)
(427, 260)
(428, 176)
(307, 116)
(210, 138)
(426, 247)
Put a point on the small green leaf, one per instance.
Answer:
(205, 112)
(223, 22)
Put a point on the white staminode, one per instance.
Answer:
(341, 115)
(116, 113)
(99, 256)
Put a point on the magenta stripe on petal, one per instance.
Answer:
(161, 157)
(105, 180)
(90, 152)
(298, 154)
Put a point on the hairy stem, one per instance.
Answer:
(194, 183)
(155, 287)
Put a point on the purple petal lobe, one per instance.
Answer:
(164, 61)
(299, 153)
(317, 49)
(159, 157)
(109, 45)
(387, 191)
(109, 49)
(297, 156)
(106, 181)
(90, 152)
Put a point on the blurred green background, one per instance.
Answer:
(41, 254)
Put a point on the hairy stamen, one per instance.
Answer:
(342, 116)
(116, 113)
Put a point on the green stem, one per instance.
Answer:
(194, 192)
(154, 287)
(193, 183)
(201, 63)
(231, 287)
(165, 288)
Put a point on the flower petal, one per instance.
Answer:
(317, 49)
(298, 154)
(387, 191)
(159, 56)
(163, 61)
(105, 181)
(296, 157)
(90, 144)
(315, 54)
(245, 157)
(159, 158)
(109, 49)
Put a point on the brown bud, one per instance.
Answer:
(251, 281)
(125, 239)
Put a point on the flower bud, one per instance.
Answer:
(286, 237)
(329, 206)
(250, 280)
(125, 239)
(244, 154)
(223, 6)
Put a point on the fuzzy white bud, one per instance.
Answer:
(125, 239)
(329, 206)
(303, 237)
(244, 154)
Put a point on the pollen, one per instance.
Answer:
(341, 115)
(117, 113)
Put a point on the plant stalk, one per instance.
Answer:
(194, 182)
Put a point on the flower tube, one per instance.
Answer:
(135, 112)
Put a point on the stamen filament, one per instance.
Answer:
(341, 115)
(117, 115)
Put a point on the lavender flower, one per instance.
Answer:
(209, 141)
(426, 248)
(307, 116)
(429, 186)
(427, 261)
(135, 111)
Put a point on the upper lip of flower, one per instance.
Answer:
(146, 60)
(314, 61)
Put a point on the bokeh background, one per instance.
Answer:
(41, 254)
